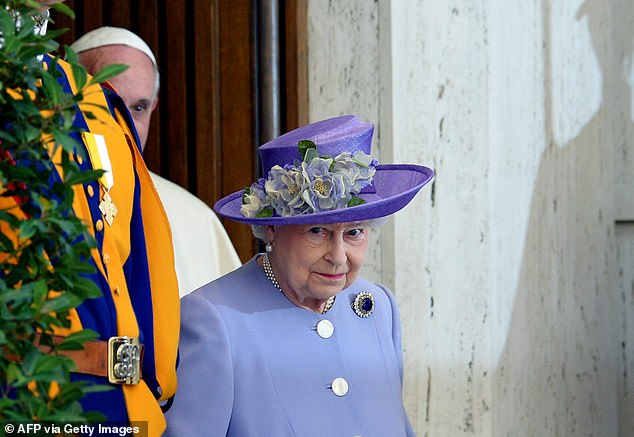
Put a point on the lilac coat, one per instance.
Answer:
(252, 364)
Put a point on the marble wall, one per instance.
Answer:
(513, 270)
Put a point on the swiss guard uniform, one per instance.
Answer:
(137, 316)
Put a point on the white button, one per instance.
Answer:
(325, 328)
(339, 386)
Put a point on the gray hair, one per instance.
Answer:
(259, 231)
(157, 83)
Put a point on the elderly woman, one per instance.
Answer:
(295, 343)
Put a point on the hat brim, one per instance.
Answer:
(395, 184)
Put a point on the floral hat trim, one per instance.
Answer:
(315, 184)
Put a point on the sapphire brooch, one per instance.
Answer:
(363, 304)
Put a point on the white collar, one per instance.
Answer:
(41, 23)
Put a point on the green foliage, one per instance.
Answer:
(44, 247)
(355, 201)
(304, 146)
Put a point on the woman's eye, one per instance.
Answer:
(315, 230)
(355, 232)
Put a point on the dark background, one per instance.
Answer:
(233, 75)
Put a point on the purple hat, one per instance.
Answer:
(323, 173)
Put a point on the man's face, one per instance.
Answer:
(135, 85)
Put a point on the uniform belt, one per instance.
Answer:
(92, 360)
(119, 359)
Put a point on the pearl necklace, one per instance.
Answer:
(268, 271)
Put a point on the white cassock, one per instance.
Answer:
(202, 248)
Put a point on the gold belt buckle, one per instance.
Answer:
(124, 360)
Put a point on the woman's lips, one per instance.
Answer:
(331, 277)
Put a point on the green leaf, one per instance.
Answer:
(51, 365)
(310, 155)
(84, 177)
(98, 388)
(13, 373)
(66, 226)
(82, 267)
(10, 219)
(246, 193)
(107, 72)
(22, 295)
(265, 213)
(71, 55)
(22, 173)
(25, 107)
(32, 134)
(31, 52)
(74, 341)
(69, 393)
(304, 146)
(64, 139)
(52, 373)
(31, 360)
(40, 291)
(355, 201)
(50, 88)
(45, 248)
(63, 302)
(86, 288)
(79, 72)
(64, 9)
(28, 228)
(90, 114)
(53, 34)
(6, 136)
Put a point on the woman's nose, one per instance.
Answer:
(337, 251)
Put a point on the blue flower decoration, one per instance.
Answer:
(315, 184)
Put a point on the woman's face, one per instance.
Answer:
(317, 261)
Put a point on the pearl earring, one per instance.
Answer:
(268, 248)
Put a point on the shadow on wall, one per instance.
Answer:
(566, 368)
